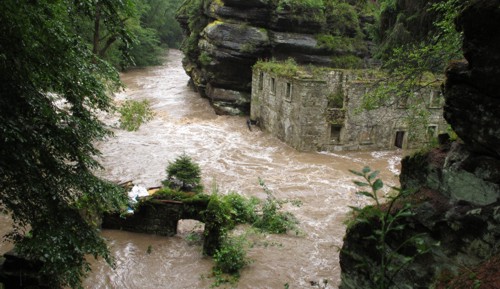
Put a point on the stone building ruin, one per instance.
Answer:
(321, 112)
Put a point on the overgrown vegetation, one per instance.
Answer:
(224, 212)
(221, 214)
(142, 30)
(386, 220)
(272, 219)
(336, 99)
(51, 86)
(288, 68)
(193, 10)
(415, 40)
(134, 113)
(204, 58)
(231, 257)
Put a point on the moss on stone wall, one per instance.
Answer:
(288, 68)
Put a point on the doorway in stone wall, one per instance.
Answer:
(399, 139)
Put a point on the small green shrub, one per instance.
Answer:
(386, 222)
(231, 257)
(205, 59)
(243, 210)
(335, 43)
(218, 222)
(342, 19)
(134, 113)
(184, 174)
(272, 219)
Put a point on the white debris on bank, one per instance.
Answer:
(136, 193)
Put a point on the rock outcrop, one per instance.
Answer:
(226, 37)
(456, 203)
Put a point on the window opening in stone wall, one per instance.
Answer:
(431, 131)
(399, 139)
(288, 95)
(435, 99)
(273, 85)
(335, 133)
(336, 99)
(261, 80)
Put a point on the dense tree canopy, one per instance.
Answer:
(51, 87)
(53, 83)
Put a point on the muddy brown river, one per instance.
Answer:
(234, 158)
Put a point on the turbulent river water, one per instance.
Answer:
(234, 158)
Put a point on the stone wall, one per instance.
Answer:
(298, 112)
(152, 217)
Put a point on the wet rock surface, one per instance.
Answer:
(456, 202)
(472, 86)
(233, 35)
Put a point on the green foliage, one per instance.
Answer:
(147, 49)
(288, 68)
(52, 85)
(193, 11)
(167, 193)
(218, 222)
(224, 212)
(184, 174)
(413, 56)
(204, 58)
(160, 17)
(273, 219)
(342, 19)
(231, 257)
(243, 210)
(386, 221)
(134, 113)
(336, 100)
(141, 30)
(415, 62)
(335, 43)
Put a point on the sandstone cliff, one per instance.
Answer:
(457, 198)
(226, 37)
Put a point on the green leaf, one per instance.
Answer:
(366, 170)
(377, 185)
(361, 184)
(365, 193)
(373, 175)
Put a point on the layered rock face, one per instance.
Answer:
(457, 199)
(226, 37)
